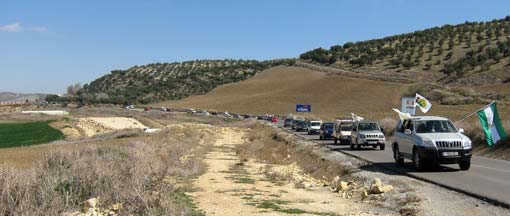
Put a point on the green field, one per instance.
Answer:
(26, 134)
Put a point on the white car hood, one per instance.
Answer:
(375, 132)
(443, 136)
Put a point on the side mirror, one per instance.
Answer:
(407, 132)
(461, 130)
(382, 130)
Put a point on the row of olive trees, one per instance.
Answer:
(400, 49)
(167, 81)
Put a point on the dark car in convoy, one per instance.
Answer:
(287, 122)
(301, 125)
(326, 130)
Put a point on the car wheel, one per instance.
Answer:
(417, 160)
(399, 161)
(465, 164)
(320, 137)
(382, 147)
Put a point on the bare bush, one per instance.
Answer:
(388, 124)
(142, 175)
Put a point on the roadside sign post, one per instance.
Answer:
(408, 105)
(303, 108)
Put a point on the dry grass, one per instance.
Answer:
(136, 173)
(278, 89)
(19, 117)
(274, 146)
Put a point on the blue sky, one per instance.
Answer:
(47, 45)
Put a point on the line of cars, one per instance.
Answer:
(427, 141)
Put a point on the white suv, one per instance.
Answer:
(429, 140)
(367, 133)
(314, 127)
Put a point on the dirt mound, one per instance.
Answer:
(98, 125)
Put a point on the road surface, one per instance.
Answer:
(487, 179)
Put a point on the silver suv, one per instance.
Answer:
(429, 140)
(367, 133)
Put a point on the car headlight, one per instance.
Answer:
(466, 143)
(381, 136)
(362, 136)
(427, 142)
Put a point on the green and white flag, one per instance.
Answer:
(491, 123)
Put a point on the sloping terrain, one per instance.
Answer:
(279, 89)
(165, 81)
(459, 52)
(15, 97)
(457, 59)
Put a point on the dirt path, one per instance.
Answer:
(232, 187)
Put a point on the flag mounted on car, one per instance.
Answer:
(356, 117)
(422, 103)
(403, 116)
(491, 124)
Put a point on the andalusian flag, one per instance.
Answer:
(491, 123)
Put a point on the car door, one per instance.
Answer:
(406, 144)
(336, 130)
(321, 130)
(354, 133)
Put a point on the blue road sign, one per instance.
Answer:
(303, 108)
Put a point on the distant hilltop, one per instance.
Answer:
(19, 97)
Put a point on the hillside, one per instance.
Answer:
(15, 97)
(466, 55)
(165, 81)
(279, 89)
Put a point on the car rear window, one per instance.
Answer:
(368, 126)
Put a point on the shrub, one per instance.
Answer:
(133, 174)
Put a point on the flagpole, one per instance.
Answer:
(475, 112)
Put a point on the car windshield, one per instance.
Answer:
(368, 126)
(435, 126)
(328, 125)
(346, 128)
(315, 124)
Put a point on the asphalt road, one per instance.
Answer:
(487, 179)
